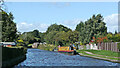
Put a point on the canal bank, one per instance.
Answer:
(12, 56)
(37, 57)
(100, 54)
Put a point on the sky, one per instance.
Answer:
(40, 15)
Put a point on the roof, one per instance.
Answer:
(8, 43)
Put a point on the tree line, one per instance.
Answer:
(58, 34)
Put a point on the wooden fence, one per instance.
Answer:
(112, 46)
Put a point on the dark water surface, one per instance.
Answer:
(37, 57)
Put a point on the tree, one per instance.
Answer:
(115, 32)
(42, 35)
(110, 36)
(55, 27)
(31, 37)
(8, 27)
(93, 27)
(116, 38)
(35, 33)
(49, 38)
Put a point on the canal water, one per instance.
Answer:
(37, 57)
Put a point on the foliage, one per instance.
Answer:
(93, 27)
(8, 27)
(48, 47)
(21, 41)
(101, 39)
(31, 37)
(81, 43)
(30, 45)
(55, 27)
(60, 35)
(114, 37)
(109, 36)
(118, 44)
(61, 38)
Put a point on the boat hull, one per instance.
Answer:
(72, 52)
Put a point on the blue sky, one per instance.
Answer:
(40, 15)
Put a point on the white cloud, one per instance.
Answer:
(111, 22)
(71, 23)
(26, 27)
(23, 23)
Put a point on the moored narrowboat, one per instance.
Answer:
(67, 49)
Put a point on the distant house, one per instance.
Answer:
(8, 44)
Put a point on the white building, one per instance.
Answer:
(92, 46)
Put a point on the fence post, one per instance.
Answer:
(102, 46)
(106, 46)
(116, 47)
(109, 46)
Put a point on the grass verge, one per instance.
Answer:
(101, 54)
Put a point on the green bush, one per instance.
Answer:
(46, 47)
(118, 44)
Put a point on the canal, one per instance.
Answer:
(37, 57)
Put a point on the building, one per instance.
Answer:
(8, 44)
(92, 46)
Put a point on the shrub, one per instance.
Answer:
(118, 44)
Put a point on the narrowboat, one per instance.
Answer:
(67, 49)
